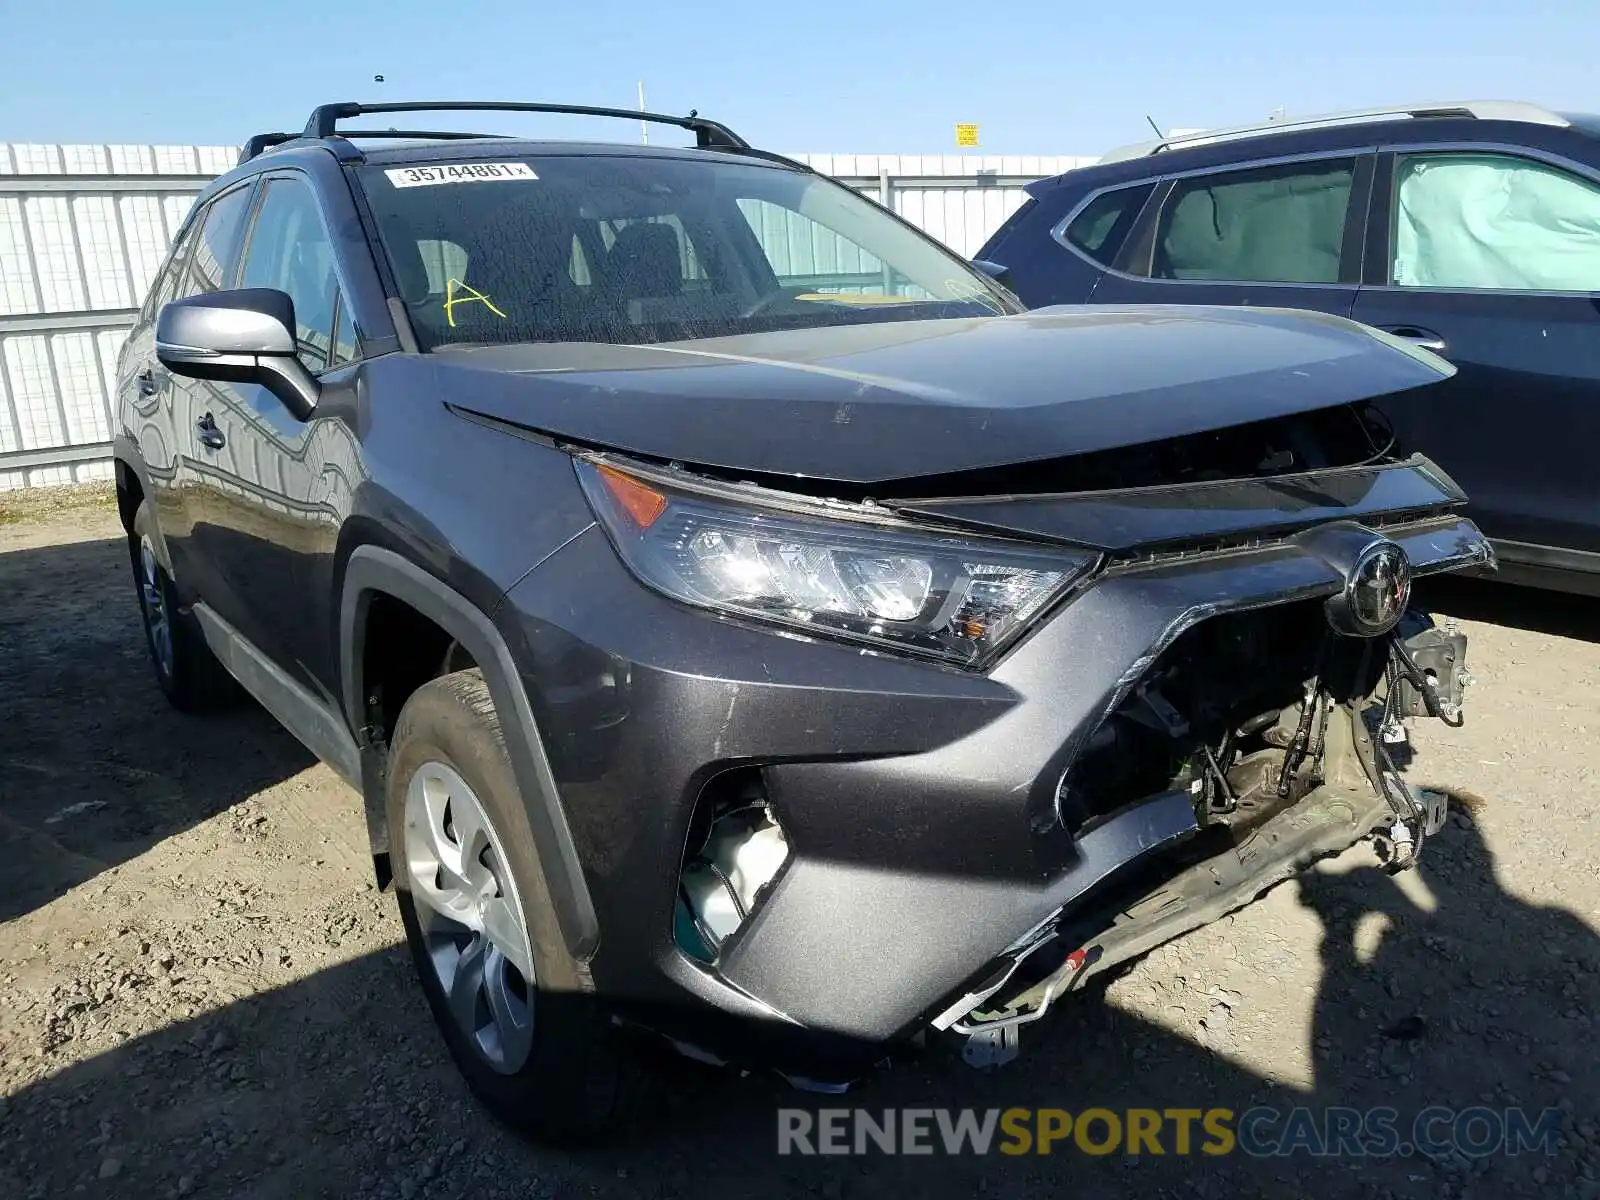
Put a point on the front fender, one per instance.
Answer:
(371, 570)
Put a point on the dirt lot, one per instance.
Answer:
(201, 994)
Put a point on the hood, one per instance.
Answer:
(885, 401)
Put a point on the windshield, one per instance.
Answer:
(636, 249)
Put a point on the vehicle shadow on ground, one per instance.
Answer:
(1561, 614)
(338, 1086)
(95, 767)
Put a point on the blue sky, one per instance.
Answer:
(1066, 77)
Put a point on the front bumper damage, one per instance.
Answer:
(1344, 809)
(933, 874)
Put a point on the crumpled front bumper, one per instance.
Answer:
(918, 800)
(1085, 940)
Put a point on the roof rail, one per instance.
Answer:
(1482, 110)
(261, 142)
(709, 135)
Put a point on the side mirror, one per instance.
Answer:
(243, 336)
(998, 272)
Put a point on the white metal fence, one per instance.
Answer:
(958, 198)
(83, 230)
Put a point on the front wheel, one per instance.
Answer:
(474, 906)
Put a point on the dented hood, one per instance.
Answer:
(896, 400)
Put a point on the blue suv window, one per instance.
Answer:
(1492, 221)
(1282, 224)
(1102, 225)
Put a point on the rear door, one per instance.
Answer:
(1283, 234)
(144, 394)
(1493, 258)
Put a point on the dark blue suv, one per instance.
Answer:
(1472, 229)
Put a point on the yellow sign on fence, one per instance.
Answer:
(966, 135)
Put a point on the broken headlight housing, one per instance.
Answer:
(832, 569)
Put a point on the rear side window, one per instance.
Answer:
(1493, 221)
(1102, 225)
(168, 283)
(216, 251)
(1281, 224)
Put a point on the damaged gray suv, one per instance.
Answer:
(744, 623)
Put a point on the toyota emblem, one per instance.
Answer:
(1377, 588)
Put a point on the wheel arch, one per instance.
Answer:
(372, 571)
(133, 487)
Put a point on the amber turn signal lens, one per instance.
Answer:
(641, 502)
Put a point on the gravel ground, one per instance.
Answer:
(201, 994)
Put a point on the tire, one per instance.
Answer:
(187, 671)
(538, 1052)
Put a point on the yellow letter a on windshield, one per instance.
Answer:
(467, 295)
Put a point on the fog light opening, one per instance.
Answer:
(725, 877)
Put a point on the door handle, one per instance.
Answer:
(1426, 339)
(147, 383)
(210, 436)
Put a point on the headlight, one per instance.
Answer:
(831, 569)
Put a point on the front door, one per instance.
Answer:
(274, 501)
(189, 461)
(1282, 235)
(1493, 260)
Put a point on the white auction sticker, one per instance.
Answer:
(468, 172)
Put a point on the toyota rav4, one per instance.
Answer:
(743, 621)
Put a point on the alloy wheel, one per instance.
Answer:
(157, 620)
(470, 916)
